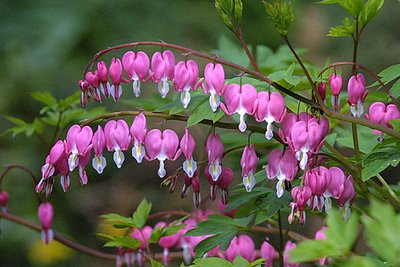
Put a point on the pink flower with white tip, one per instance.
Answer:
(357, 94)
(103, 77)
(116, 78)
(143, 235)
(249, 162)
(167, 242)
(301, 195)
(136, 66)
(83, 162)
(267, 252)
(188, 144)
(84, 86)
(55, 155)
(346, 197)
(283, 166)
(212, 182)
(45, 214)
(99, 143)
(3, 201)
(214, 151)
(162, 146)
(93, 79)
(286, 254)
(78, 144)
(318, 180)
(224, 181)
(196, 190)
(185, 79)
(162, 67)
(240, 100)
(241, 245)
(335, 82)
(214, 77)
(117, 139)
(381, 114)
(138, 132)
(270, 108)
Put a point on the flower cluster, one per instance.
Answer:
(242, 245)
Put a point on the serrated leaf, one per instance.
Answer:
(118, 221)
(141, 214)
(44, 97)
(238, 10)
(347, 28)
(240, 262)
(360, 261)
(369, 11)
(242, 198)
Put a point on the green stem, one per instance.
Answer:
(388, 188)
(357, 153)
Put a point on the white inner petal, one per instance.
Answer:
(161, 170)
(185, 98)
(118, 157)
(215, 170)
(73, 161)
(163, 88)
(214, 101)
(136, 87)
(280, 188)
(99, 163)
(189, 166)
(249, 182)
(138, 152)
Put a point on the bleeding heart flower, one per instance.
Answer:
(240, 100)
(185, 79)
(241, 245)
(3, 201)
(138, 132)
(162, 66)
(136, 66)
(347, 196)
(357, 94)
(78, 143)
(214, 151)
(99, 143)
(270, 108)
(249, 162)
(214, 77)
(322, 90)
(188, 144)
(335, 82)
(320, 235)
(103, 77)
(283, 166)
(286, 258)
(267, 252)
(162, 145)
(167, 242)
(116, 78)
(301, 195)
(224, 181)
(318, 180)
(117, 139)
(381, 114)
(45, 214)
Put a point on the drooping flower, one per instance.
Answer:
(267, 252)
(117, 139)
(322, 90)
(381, 114)
(214, 151)
(214, 77)
(167, 242)
(224, 181)
(240, 100)
(143, 235)
(45, 214)
(115, 71)
(3, 201)
(138, 132)
(93, 79)
(136, 66)
(196, 190)
(83, 162)
(286, 258)
(241, 245)
(249, 162)
(56, 153)
(187, 146)
(99, 143)
(84, 86)
(283, 166)
(346, 197)
(222, 209)
(357, 94)
(301, 195)
(270, 108)
(185, 79)
(162, 67)
(162, 146)
(78, 144)
(335, 82)
(105, 86)
(318, 180)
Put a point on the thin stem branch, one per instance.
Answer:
(357, 153)
(388, 188)
(9, 167)
(253, 62)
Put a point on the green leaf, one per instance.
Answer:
(369, 11)
(389, 74)
(44, 97)
(230, 50)
(244, 197)
(224, 8)
(211, 262)
(223, 239)
(240, 262)
(381, 228)
(367, 139)
(270, 205)
(202, 112)
(155, 263)
(395, 90)
(312, 250)
(118, 221)
(347, 28)
(141, 214)
(379, 160)
(281, 15)
(360, 261)
(238, 11)
(123, 241)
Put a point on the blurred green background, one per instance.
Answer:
(45, 46)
